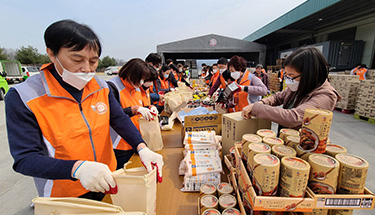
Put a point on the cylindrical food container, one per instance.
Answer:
(292, 141)
(273, 141)
(209, 202)
(266, 172)
(227, 201)
(286, 132)
(231, 211)
(303, 154)
(315, 129)
(256, 148)
(324, 174)
(294, 175)
(353, 173)
(211, 212)
(207, 189)
(246, 140)
(224, 188)
(340, 212)
(239, 145)
(266, 133)
(333, 150)
(283, 151)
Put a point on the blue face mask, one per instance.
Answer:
(166, 75)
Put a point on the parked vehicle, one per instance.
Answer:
(29, 70)
(112, 70)
(3, 87)
(11, 71)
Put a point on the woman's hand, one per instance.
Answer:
(246, 111)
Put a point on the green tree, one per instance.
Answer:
(106, 62)
(43, 58)
(27, 55)
(3, 55)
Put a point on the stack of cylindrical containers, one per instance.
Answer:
(297, 161)
(202, 162)
(217, 199)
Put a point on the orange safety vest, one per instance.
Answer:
(223, 84)
(128, 96)
(215, 77)
(263, 71)
(282, 74)
(71, 130)
(165, 84)
(241, 97)
(361, 72)
(146, 96)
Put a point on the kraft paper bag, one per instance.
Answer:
(48, 206)
(151, 133)
(172, 101)
(136, 190)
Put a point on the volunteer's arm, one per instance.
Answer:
(293, 117)
(276, 99)
(122, 124)
(173, 80)
(26, 143)
(128, 110)
(214, 86)
(184, 81)
(256, 87)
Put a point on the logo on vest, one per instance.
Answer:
(100, 108)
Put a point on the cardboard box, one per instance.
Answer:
(344, 201)
(271, 203)
(207, 122)
(234, 126)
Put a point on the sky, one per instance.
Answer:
(133, 28)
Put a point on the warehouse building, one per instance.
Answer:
(344, 30)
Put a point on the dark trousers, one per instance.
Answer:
(122, 157)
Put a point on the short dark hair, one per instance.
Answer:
(313, 67)
(239, 63)
(259, 66)
(154, 74)
(223, 61)
(174, 67)
(70, 34)
(134, 71)
(226, 75)
(168, 61)
(203, 64)
(153, 58)
(215, 64)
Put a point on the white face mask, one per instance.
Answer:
(221, 71)
(166, 75)
(180, 70)
(147, 84)
(78, 80)
(236, 75)
(141, 82)
(293, 85)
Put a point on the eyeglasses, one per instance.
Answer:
(287, 77)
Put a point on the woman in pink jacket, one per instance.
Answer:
(308, 87)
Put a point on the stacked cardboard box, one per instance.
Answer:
(274, 82)
(366, 99)
(347, 87)
(370, 75)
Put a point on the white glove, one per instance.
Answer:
(207, 99)
(150, 159)
(145, 112)
(94, 176)
(154, 111)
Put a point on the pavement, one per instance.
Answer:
(17, 191)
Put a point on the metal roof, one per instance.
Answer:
(304, 10)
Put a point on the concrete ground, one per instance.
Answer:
(17, 191)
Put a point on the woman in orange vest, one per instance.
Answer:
(127, 88)
(362, 70)
(251, 86)
(163, 85)
(218, 81)
(67, 112)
